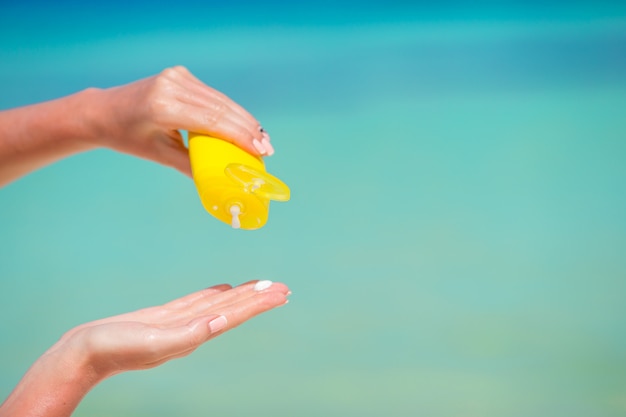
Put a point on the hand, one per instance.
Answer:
(143, 118)
(89, 353)
(149, 337)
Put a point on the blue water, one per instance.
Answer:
(456, 237)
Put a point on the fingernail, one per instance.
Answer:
(267, 145)
(262, 285)
(217, 324)
(259, 147)
(288, 293)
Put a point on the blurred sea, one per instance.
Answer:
(456, 238)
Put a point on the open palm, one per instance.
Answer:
(149, 337)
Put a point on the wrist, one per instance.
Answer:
(85, 128)
(68, 123)
(34, 136)
(55, 384)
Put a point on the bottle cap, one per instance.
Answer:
(233, 184)
(260, 183)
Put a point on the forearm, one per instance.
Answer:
(53, 386)
(34, 136)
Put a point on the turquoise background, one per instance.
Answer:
(456, 238)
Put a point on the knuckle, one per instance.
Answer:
(169, 72)
(210, 121)
(173, 72)
(215, 116)
(163, 82)
(180, 69)
(219, 109)
(157, 95)
(158, 109)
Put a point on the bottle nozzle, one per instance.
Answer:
(235, 210)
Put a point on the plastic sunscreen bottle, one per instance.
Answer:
(232, 184)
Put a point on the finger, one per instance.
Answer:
(194, 92)
(219, 107)
(204, 306)
(190, 299)
(187, 79)
(200, 94)
(259, 286)
(179, 160)
(215, 123)
(179, 341)
(248, 289)
(203, 303)
(243, 310)
(182, 340)
(172, 152)
(199, 304)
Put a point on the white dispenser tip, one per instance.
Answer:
(235, 210)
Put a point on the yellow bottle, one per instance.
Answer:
(232, 184)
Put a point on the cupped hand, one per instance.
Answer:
(144, 118)
(87, 354)
(149, 337)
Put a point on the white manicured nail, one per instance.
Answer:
(217, 324)
(262, 285)
(268, 146)
(259, 147)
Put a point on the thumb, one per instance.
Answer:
(171, 151)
